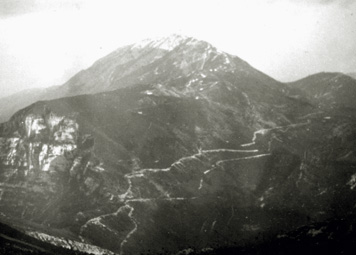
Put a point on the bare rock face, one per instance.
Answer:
(44, 160)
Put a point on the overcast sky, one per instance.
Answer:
(44, 43)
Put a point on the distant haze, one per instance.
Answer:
(44, 43)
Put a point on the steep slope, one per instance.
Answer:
(328, 90)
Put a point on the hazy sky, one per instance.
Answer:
(44, 43)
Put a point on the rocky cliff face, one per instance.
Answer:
(203, 152)
(42, 158)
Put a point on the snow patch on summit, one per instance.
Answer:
(164, 43)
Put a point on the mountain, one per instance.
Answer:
(11, 104)
(176, 147)
(177, 62)
(329, 89)
(164, 60)
(353, 75)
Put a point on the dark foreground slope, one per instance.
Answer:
(335, 236)
(13, 241)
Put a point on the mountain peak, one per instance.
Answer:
(163, 42)
(167, 60)
(174, 61)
